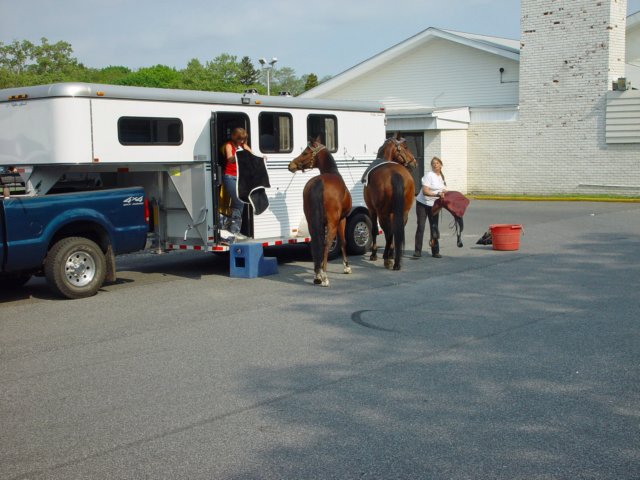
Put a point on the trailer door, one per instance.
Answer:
(216, 175)
(221, 126)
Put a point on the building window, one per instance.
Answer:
(149, 131)
(276, 132)
(325, 126)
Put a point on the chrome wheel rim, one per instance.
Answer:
(361, 234)
(79, 269)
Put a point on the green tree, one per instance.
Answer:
(310, 81)
(225, 73)
(109, 75)
(284, 79)
(248, 75)
(195, 76)
(15, 56)
(53, 58)
(159, 76)
(25, 63)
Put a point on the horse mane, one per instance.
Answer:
(332, 166)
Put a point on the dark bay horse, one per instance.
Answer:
(326, 202)
(389, 194)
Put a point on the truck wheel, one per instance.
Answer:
(75, 267)
(14, 281)
(358, 234)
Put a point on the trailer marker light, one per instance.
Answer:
(22, 96)
(100, 94)
(258, 102)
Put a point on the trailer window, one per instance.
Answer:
(149, 131)
(325, 126)
(276, 132)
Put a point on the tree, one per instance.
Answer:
(310, 82)
(224, 71)
(248, 75)
(24, 63)
(159, 76)
(109, 75)
(195, 76)
(14, 56)
(53, 58)
(284, 79)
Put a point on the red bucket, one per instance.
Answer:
(505, 236)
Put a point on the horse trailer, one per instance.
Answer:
(80, 136)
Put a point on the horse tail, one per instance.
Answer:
(316, 222)
(397, 200)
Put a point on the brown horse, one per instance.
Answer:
(389, 194)
(326, 202)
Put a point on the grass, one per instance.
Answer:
(559, 198)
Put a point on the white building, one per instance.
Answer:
(535, 116)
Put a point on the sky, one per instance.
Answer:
(325, 37)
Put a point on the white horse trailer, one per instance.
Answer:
(168, 141)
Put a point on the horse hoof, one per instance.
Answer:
(347, 270)
(388, 265)
(325, 283)
(373, 258)
(317, 281)
(460, 244)
(396, 267)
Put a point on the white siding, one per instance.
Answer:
(438, 73)
(623, 117)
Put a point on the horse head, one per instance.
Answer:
(308, 158)
(395, 149)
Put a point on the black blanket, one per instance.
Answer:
(252, 181)
(376, 163)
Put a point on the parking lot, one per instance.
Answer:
(482, 364)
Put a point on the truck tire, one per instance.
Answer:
(75, 267)
(358, 234)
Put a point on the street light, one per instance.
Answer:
(268, 66)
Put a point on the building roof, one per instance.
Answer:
(505, 47)
(499, 46)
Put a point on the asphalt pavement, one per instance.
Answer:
(483, 364)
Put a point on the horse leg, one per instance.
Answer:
(399, 217)
(343, 245)
(388, 241)
(459, 228)
(330, 235)
(374, 235)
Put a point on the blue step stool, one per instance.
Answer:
(247, 260)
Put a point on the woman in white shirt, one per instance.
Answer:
(433, 187)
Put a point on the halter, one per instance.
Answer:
(399, 153)
(314, 154)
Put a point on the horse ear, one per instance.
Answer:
(398, 136)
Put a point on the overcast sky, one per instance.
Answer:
(324, 37)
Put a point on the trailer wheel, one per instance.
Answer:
(75, 267)
(358, 234)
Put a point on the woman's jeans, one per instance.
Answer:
(237, 206)
(423, 212)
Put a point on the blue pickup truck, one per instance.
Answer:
(71, 238)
